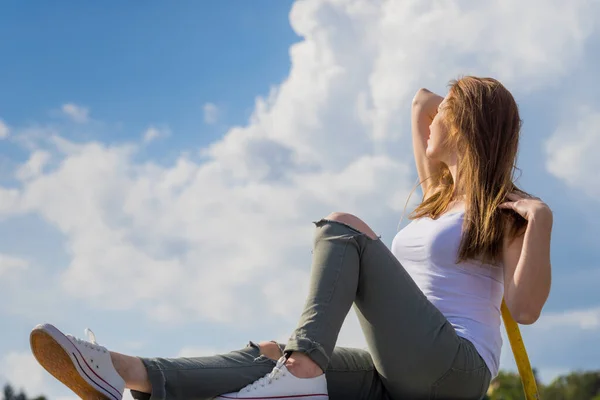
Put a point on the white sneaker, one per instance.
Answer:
(281, 384)
(83, 366)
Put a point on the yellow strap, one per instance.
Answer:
(520, 354)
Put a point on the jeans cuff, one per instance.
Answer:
(309, 347)
(157, 382)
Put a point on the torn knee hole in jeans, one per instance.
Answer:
(324, 221)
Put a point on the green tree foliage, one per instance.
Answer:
(10, 394)
(574, 386)
(506, 386)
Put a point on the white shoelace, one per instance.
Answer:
(267, 379)
(90, 343)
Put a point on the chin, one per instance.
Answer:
(429, 153)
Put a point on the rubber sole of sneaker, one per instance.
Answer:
(59, 356)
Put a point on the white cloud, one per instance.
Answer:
(153, 133)
(11, 263)
(134, 345)
(4, 131)
(572, 151)
(587, 319)
(201, 351)
(34, 166)
(24, 373)
(219, 239)
(211, 113)
(75, 112)
(332, 136)
(9, 202)
(151, 230)
(568, 333)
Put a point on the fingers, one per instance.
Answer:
(520, 196)
(507, 205)
(514, 196)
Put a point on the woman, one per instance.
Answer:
(429, 308)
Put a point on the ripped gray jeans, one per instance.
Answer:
(414, 352)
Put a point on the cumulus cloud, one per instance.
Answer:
(332, 136)
(559, 331)
(9, 202)
(10, 263)
(34, 165)
(227, 237)
(202, 351)
(4, 131)
(159, 232)
(587, 319)
(75, 112)
(211, 113)
(153, 133)
(572, 151)
(23, 372)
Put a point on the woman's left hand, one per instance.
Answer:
(526, 206)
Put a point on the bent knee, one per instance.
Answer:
(353, 221)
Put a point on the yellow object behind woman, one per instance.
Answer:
(520, 354)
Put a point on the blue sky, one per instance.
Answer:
(133, 65)
(159, 167)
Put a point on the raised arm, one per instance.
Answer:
(527, 268)
(424, 107)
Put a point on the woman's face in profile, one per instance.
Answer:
(437, 147)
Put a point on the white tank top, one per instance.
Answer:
(469, 294)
